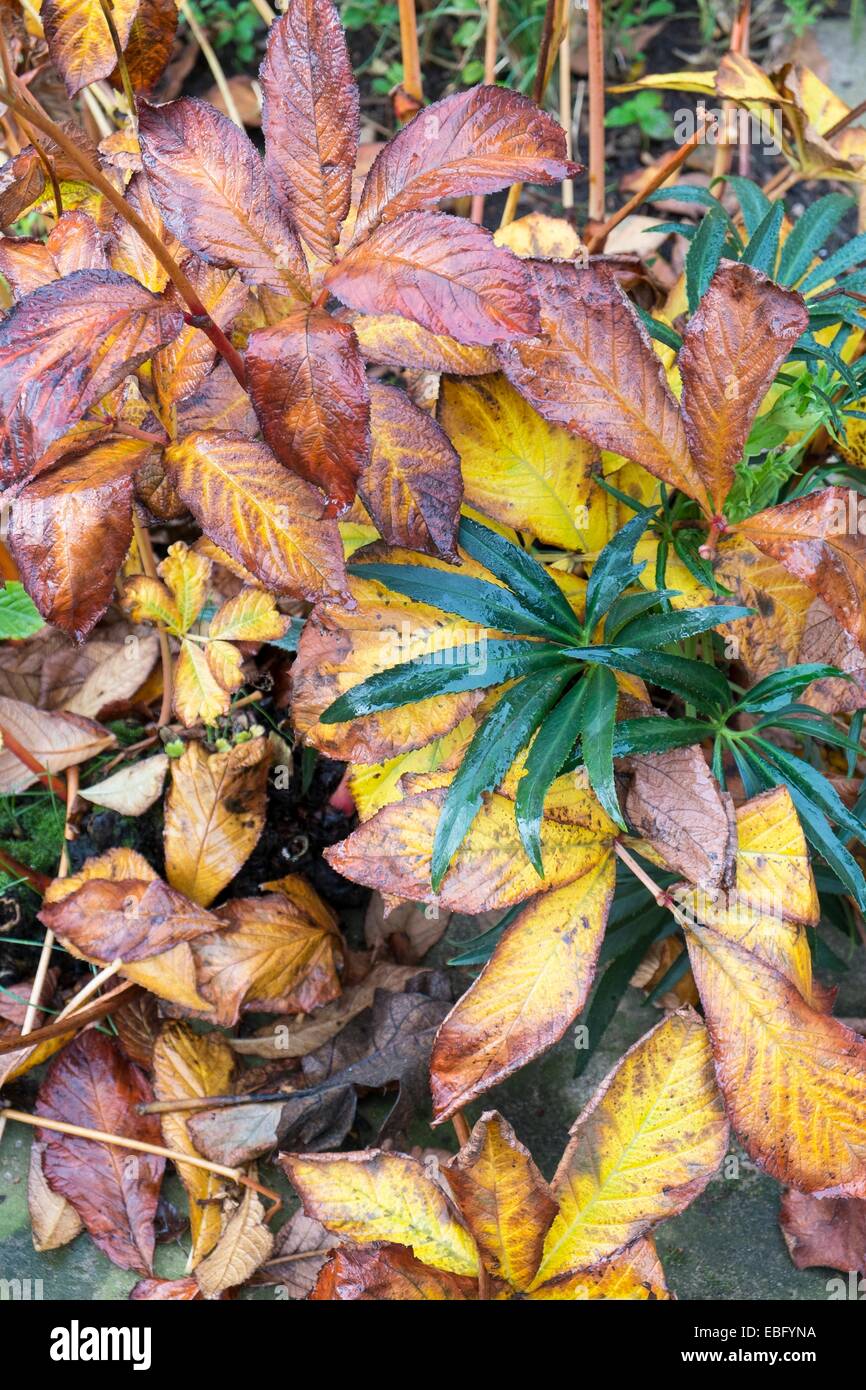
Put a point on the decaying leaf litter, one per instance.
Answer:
(355, 546)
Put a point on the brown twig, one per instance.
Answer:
(198, 315)
(66, 1023)
(491, 43)
(122, 66)
(667, 167)
(409, 50)
(548, 49)
(595, 49)
(38, 882)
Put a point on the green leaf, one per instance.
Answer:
(506, 730)
(662, 332)
(19, 616)
(774, 692)
(661, 628)
(698, 683)
(442, 673)
(629, 606)
(478, 949)
(544, 762)
(809, 234)
(597, 718)
(763, 245)
(704, 255)
(613, 570)
(657, 734)
(754, 203)
(852, 253)
(473, 599)
(810, 783)
(520, 571)
(813, 727)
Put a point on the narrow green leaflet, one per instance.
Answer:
(698, 683)
(473, 599)
(809, 234)
(704, 255)
(544, 762)
(597, 719)
(613, 570)
(763, 245)
(515, 568)
(774, 691)
(661, 628)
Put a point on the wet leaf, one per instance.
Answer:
(245, 1244)
(388, 1273)
(79, 39)
(826, 1231)
(129, 918)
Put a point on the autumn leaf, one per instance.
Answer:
(476, 141)
(411, 484)
(200, 695)
(186, 573)
(56, 739)
(825, 1231)
(268, 956)
(444, 273)
(812, 538)
(150, 44)
(309, 389)
(259, 513)
(520, 469)
(127, 252)
(79, 39)
(130, 919)
(645, 1146)
(594, 372)
(376, 1196)
(770, 638)
(186, 1065)
(733, 346)
(245, 1244)
(503, 1198)
(54, 1222)
(251, 616)
(180, 368)
(131, 790)
(214, 815)
(388, 1273)
(209, 183)
(393, 341)
(50, 368)
(310, 119)
(634, 1275)
(115, 1193)
(300, 1250)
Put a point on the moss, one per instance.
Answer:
(31, 830)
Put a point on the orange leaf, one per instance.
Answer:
(79, 39)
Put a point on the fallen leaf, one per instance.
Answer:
(56, 739)
(131, 790)
(388, 1273)
(244, 1245)
(300, 1236)
(132, 919)
(54, 1222)
(825, 1231)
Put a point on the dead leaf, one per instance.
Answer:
(131, 790)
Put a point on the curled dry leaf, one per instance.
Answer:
(476, 141)
(308, 385)
(674, 803)
(300, 1250)
(443, 272)
(244, 1245)
(132, 919)
(411, 485)
(50, 369)
(131, 790)
(827, 1231)
(54, 1221)
(269, 955)
(263, 516)
(214, 815)
(388, 1273)
(115, 1192)
(56, 739)
(188, 1064)
(310, 119)
(208, 180)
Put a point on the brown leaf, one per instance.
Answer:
(411, 485)
(270, 957)
(813, 537)
(476, 141)
(128, 253)
(79, 39)
(443, 272)
(309, 389)
(26, 264)
(209, 182)
(310, 119)
(220, 403)
(130, 918)
(388, 1273)
(54, 1221)
(63, 348)
(183, 1290)
(114, 1191)
(181, 368)
(300, 1236)
(263, 516)
(826, 642)
(594, 371)
(733, 346)
(70, 532)
(112, 673)
(245, 1244)
(214, 815)
(76, 243)
(150, 44)
(58, 740)
(827, 1231)
(22, 182)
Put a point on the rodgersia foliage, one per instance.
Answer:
(571, 592)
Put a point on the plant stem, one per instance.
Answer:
(662, 899)
(122, 66)
(668, 165)
(595, 47)
(38, 882)
(551, 34)
(212, 61)
(565, 108)
(64, 1023)
(199, 316)
(48, 943)
(491, 43)
(120, 1141)
(409, 50)
(148, 564)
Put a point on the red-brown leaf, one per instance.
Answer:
(309, 389)
(132, 918)
(443, 272)
(114, 1191)
(476, 141)
(310, 119)
(210, 184)
(64, 347)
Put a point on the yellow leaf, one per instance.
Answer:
(197, 695)
(226, 664)
(532, 987)
(541, 237)
(251, 616)
(772, 859)
(503, 1198)
(79, 39)
(375, 1196)
(187, 574)
(185, 1065)
(518, 468)
(149, 601)
(794, 1079)
(646, 1145)
(635, 1275)
(704, 83)
(374, 785)
(771, 637)
(271, 956)
(214, 815)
